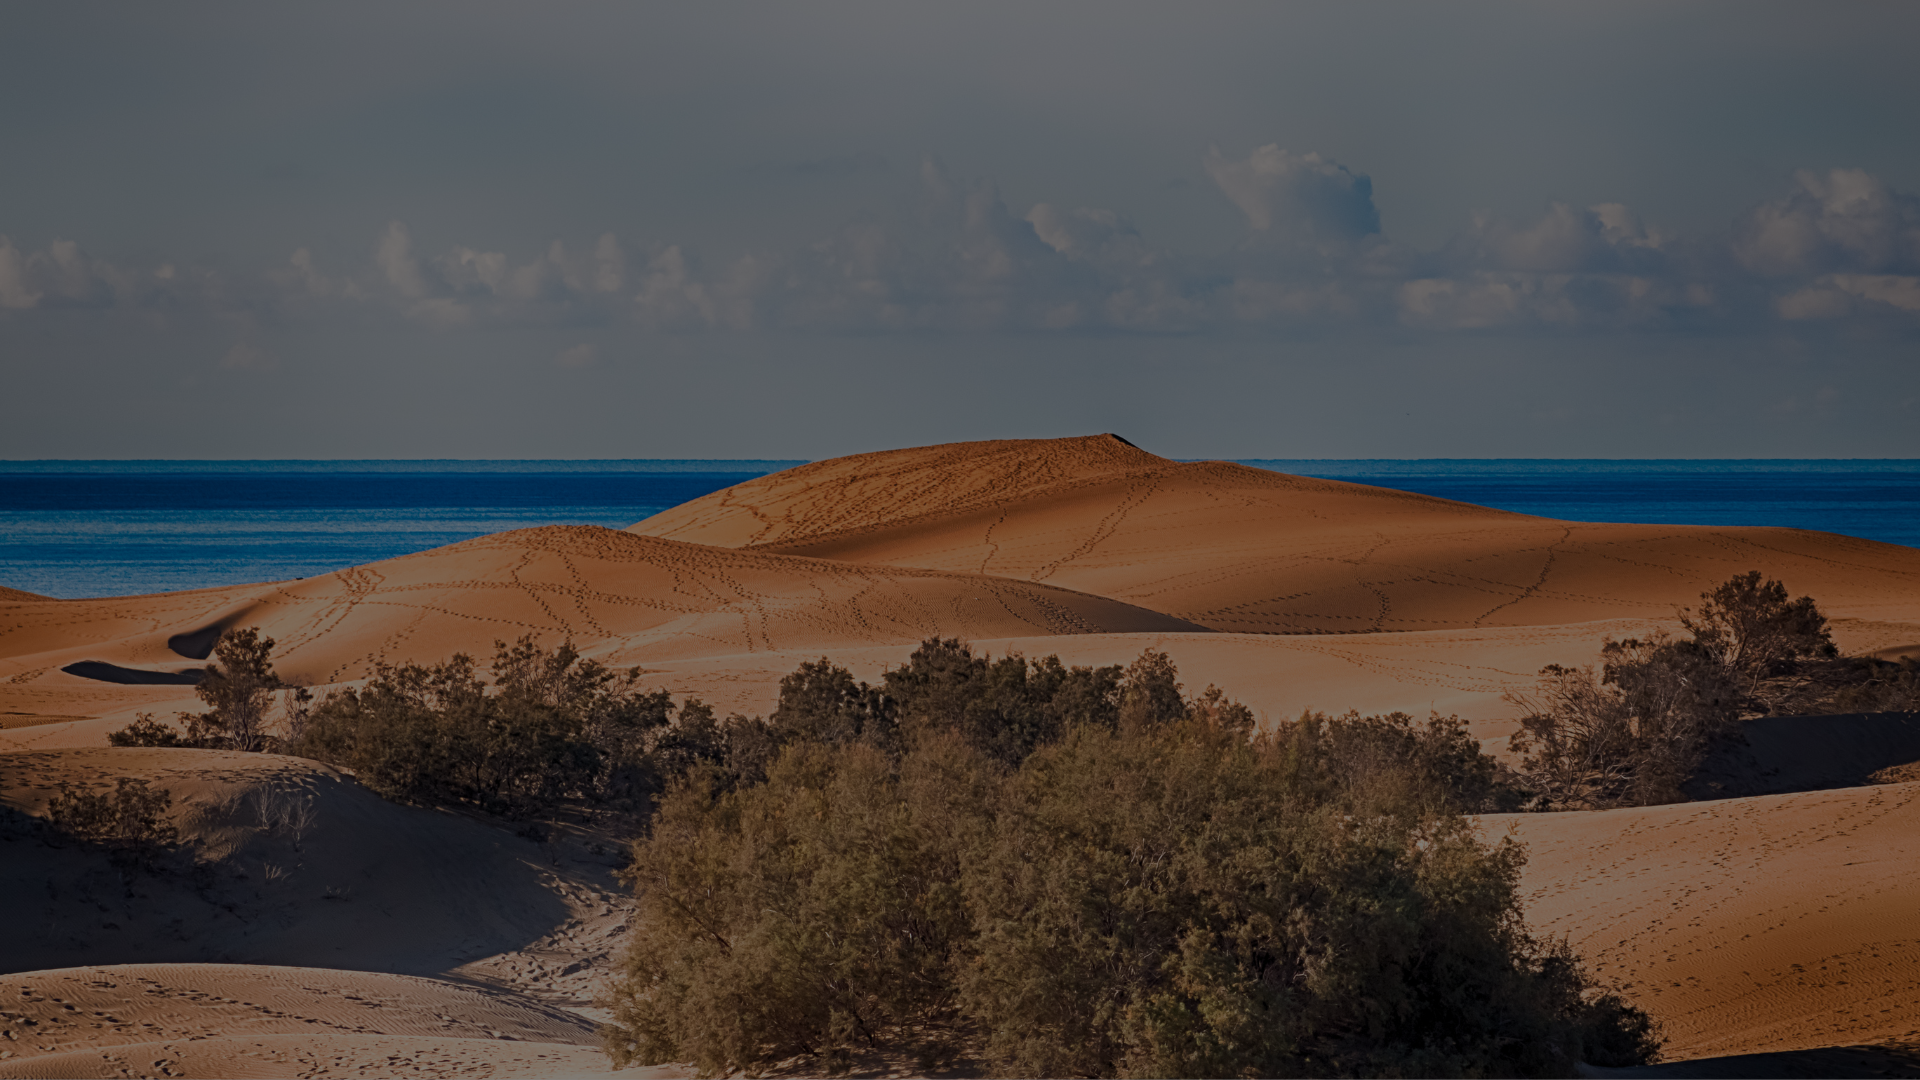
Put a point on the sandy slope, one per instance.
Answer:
(215, 1020)
(1749, 925)
(1720, 915)
(288, 862)
(620, 597)
(297, 864)
(1246, 550)
(22, 594)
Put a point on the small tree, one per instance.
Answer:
(1748, 626)
(238, 689)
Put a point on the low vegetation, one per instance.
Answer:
(1082, 872)
(1632, 731)
(129, 822)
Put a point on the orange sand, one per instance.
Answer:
(1779, 922)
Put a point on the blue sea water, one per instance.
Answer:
(88, 528)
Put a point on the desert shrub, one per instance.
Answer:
(1376, 764)
(552, 728)
(1749, 627)
(1880, 686)
(821, 702)
(1632, 732)
(808, 914)
(1170, 894)
(130, 822)
(1003, 708)
(1186, 903)
(146, 731)
(238, 689)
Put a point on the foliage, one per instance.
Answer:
(1094, 878)
(130, 822)
(1632, 733)
(1387, 764)
(146, 731)
(1749, 627)
(1186, 903)
(238, 690)
(555, 727)
(812, 913)
(1003, 708)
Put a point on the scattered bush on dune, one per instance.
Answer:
(1632, 732)
(238, 688)
(130, 822)
(552, 728)
(1135, 883)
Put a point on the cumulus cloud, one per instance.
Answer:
(1300, 195)
(1608, 238)
(1845, 220)
(951, 255)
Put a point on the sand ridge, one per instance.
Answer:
(292, 862)
(621, 598)
(1768, 923)
(1246, 550)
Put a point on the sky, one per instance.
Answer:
(585, 230)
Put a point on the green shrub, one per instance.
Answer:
(808, 914)
(1147, 890)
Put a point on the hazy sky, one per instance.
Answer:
(799, 230)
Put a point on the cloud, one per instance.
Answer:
(1845, 220)
(1608, 238)
(951, 256)
(1304, 196)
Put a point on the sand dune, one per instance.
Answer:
(1246, 550)
(297, 865)
(219, 1020)
(22, 594)
(1749, 925)
(622, 598)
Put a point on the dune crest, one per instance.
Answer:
(1246, 550)
(619, 597)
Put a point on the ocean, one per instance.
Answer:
(74, 529)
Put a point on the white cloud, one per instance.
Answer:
(953, 257)
(1304, 195)
(1607, 238)
(1845, 220)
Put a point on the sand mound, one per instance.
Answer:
(271, 1057)
(1756, 925)
(1780, 754)
(221, 1020)
(290, 862)
(1246, 550)
(22, 594)
(620, 597)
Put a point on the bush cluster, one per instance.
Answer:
(130, 822)
(1082, 872)
(1631, 733)
(552, 728)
